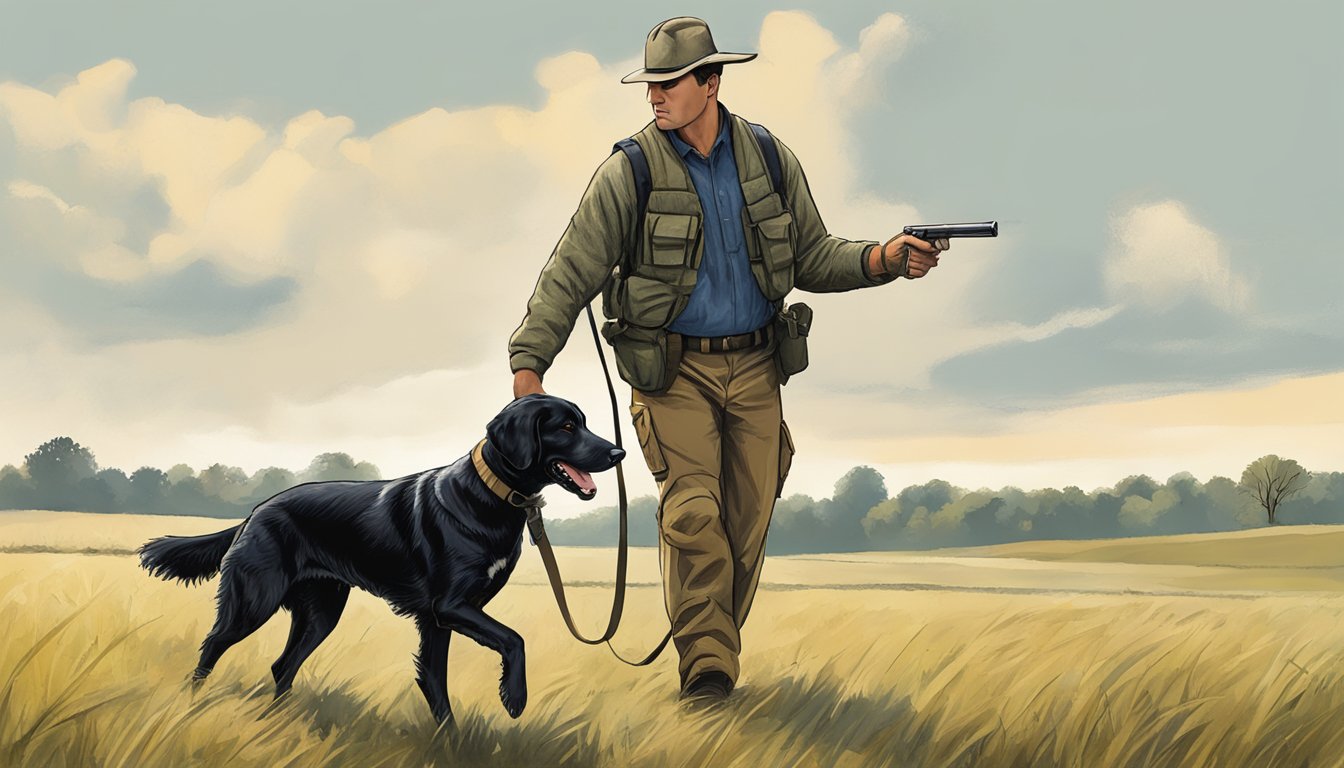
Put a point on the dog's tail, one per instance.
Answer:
(188, 558)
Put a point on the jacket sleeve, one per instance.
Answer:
(579, 266)
(822, 262)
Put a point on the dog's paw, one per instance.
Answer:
(445, 720)
(513, 693)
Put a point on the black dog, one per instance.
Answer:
(437, 546)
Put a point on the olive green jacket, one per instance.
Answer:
(601, 234)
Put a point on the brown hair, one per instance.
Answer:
(703, 72)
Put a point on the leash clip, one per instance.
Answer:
(535, 528)
(522, 502)
(531, 505)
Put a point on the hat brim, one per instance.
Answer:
(650, 76)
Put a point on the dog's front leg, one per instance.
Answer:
(431, 666)
(471, 621)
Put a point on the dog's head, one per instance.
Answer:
(545, 440)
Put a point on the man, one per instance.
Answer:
(693, 285)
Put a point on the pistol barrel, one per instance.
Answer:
(933, 232)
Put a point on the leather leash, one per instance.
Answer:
(537, 529)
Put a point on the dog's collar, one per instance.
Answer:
(498, 486)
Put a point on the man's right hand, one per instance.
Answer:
(526, 382)
(908, 256)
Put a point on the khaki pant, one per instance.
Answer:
(717, 445)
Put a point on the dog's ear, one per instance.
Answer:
(516, 433)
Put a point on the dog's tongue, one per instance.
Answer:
(581, 478)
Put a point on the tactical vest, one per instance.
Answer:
(653, 283)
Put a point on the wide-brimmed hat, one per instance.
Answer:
(678, 46)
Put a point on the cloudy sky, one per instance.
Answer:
(252, 232)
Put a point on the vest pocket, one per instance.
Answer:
(774, 255)
(641, 354)
(646, 302)
(672, 238)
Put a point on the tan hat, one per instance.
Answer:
(678, 46)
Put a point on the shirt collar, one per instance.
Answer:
(724, 137)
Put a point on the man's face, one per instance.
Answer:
(677, 103)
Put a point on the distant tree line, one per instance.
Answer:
(61, 474)
(861, 515)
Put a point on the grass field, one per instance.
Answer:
(1182, 651)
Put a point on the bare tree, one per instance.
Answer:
(1271, 479)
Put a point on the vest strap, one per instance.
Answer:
(770, 153)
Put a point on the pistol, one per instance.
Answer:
(931, 232)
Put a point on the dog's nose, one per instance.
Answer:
(616, 455)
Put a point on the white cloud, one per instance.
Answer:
(400, 260)
(808, 90)
(249, 221)
(113, 262)
(36, 118)
(857, 75)
(1162, 256)
(83, 239)
(26, 190)
(98, 100)
(1069, 319)
(317, 137)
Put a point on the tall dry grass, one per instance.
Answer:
(95, 657)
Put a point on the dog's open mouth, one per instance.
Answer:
(575, 481)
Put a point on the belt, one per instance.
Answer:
(756, 338)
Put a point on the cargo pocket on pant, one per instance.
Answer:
(785, 457)
(648, 441)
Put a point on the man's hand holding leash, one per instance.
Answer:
(526, 382)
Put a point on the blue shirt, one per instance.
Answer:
(726, 300)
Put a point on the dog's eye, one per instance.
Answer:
(568, 426)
